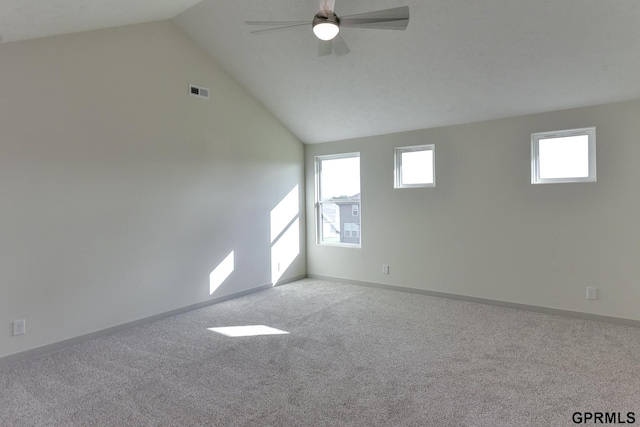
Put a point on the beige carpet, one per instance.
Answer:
(353, 356)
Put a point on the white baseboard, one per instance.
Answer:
(39, 351)
(487, 301)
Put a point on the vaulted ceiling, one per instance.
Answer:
(29, 19)
(459, 61)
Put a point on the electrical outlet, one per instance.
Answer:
(19, 327)
(385, 269)
(592, 293)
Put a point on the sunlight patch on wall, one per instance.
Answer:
(285, 234)
(285, 250)
(221, 272)
(248, 331)
(284, 213)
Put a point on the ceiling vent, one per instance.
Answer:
(199, 91)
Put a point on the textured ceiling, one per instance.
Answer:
(459, 61)
(30, 19)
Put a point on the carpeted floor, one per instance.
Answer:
(354, 356)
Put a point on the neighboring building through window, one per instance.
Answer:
(351, 230)
(415, 166)
(563, 156)
(338, 199)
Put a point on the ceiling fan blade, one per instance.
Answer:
(339, 46)
(336, 45)
(388, 19)
(324, 48)
(266, 23)
(278, 28)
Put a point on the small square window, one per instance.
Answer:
(563, 156)
(415, 166)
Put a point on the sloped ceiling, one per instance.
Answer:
(30, 19)
(459, 61)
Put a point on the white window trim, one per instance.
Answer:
(397, 158)
(318, 204)
(535, 164)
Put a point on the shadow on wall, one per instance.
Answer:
(285, 242)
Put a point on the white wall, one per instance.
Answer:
(119, 192)
(485, 231)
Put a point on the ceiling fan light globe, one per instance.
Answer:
(326, 30)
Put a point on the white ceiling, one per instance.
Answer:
(30, 19)
(459, 61)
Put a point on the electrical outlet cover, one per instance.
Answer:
(19, 327)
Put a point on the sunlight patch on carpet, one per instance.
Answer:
(247, 331)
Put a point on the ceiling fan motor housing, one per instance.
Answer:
(326, 26)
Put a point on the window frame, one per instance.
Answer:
(590, 132)
(318, 202)
(397, 161)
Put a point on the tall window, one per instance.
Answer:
(338, 199)
(563, 156)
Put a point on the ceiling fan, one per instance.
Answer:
(326, 25)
